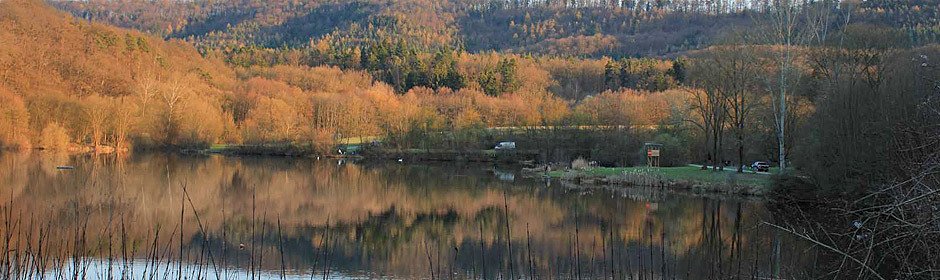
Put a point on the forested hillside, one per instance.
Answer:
(74, 84)
(67, 79)
(847, 91)
(566, 28)
(65, 71)
(419, 43)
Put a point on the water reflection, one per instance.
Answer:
(269, 217)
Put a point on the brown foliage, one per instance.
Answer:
(54, 137)
(629, 107)
(14, 121)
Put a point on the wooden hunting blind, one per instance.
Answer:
(653, 152)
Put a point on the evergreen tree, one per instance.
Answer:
(507, 72)
(489, 81)
(454, 79)
(678, 70)
(612, 75)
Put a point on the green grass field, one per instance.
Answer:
(215, 148)
(358, 140)
(685, 173)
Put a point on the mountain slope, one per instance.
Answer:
(70, 72)
(477, 26)
(580, 28)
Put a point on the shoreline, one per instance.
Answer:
(429, 155)
(687, 178)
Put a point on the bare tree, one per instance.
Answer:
(735, 76)
(96, 115)
(887, 134)
(784, 33)
(146, 90)
(172, 96)
(791, 24)
(727, 77)
(122, 112)
(709, 107)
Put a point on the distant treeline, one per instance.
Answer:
(93, 85)
(846, 91)
(551, 27)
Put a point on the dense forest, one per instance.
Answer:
(125, 87)
(845, 90)
(590, 28)
(313, 73)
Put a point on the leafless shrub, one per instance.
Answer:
(580, 164)
(893, 231)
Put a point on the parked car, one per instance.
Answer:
(760, 166)
(505, 146)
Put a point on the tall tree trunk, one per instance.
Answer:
(708, 150)
(740, 149)
(716, 145)
(782, 116)
(719, 139)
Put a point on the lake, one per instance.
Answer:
(166, 216)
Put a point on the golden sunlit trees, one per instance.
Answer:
(96, 114)
(170, 97)
(203, 124)
(394, 111)
(551, 108)
(271, 121)
(122, 121)
(14, 121)
(123, 86)
(54, 137)
(625, 107)
(183, 111)
(102, 84)
(268, 111)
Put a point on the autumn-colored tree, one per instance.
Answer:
(14, 121)
(625, 107)
(204, 124)
(54, 137)
(271, 121)
(123, 120)
(96, 114)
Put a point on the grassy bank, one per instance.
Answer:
(686, 177)
(450, 155)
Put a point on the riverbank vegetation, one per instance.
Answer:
(841, 95)
(690, 178)
(713, 105)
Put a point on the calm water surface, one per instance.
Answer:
(254, 217)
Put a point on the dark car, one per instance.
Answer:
(760, 166)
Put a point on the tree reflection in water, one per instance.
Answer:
(273, 217)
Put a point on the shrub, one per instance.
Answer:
(580, 164)
(54, 137)
(322, 140)
(674, 151)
